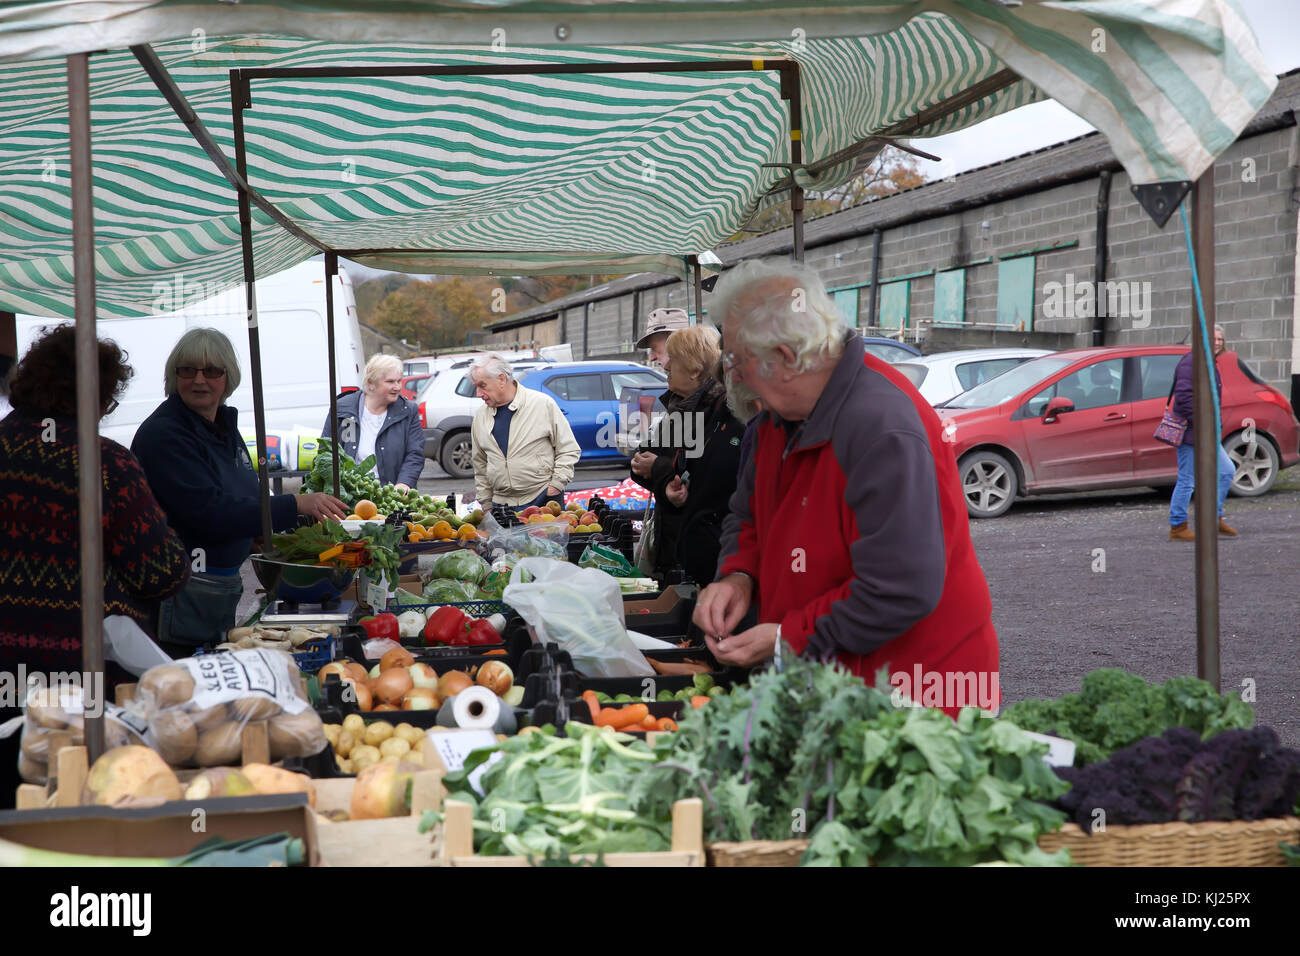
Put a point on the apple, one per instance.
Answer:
(553, 507)
(422, 675)
(588, 517)
(583, 529)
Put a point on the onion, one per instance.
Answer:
(383, 707)
(496, 677)
(423, 675)
(338, 667)
(420, 698)
(358, 672)
(365, 699)
(452, 683)
(397, 657)
(392, 685)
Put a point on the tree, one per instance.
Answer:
(891, 171)
(370, 292)
(435, 314)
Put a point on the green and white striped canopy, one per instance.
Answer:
(521, 174)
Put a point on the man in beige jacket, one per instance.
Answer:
(524, 449)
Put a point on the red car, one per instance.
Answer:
(411, 385)
(1082, 420)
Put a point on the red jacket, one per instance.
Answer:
(854, 526)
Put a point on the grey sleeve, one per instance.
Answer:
(899, 557)
(739, 541)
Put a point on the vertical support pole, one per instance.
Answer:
(240, 101)
(332, 270)
(699, 292)
(1206, 441)
(790, 90)
(1099, 258)
(90, 484)
(874, 298)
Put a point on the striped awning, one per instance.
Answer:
(570, 172)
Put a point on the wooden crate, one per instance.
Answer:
(457, 845)
(395, 841)
(757, 853)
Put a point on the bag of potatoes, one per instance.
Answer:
(53, 710)
(197, 707)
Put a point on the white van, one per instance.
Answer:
(292, 332)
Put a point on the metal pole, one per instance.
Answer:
(875, 281)
(1099, 258)
(1206, 442)
(699, 292)
(239, 101)
(89, 482)
(332, 270)
(790, 90)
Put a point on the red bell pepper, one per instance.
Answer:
(481, 632)
(444, 626)
(381, 625)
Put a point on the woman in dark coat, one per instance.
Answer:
(379, 422)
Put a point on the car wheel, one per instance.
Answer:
(989, 483)
(457, 456)
(1257, 464)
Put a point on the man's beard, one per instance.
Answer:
(742, 400)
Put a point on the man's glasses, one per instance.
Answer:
(189, 371)
(731, 361)
(112, 406)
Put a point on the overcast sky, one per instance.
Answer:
(1277, 27)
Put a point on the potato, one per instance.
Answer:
(130, 772)
(268, 779)
(408, 733)
(394, 747)
(296, 735)
(36, 745)
(175, 736)
(355, 723)
(254, 708)
(346, 743)
(32, 771)
(221, 745)
(364, 756)
(209, 717)
(220, 782)
(378, 732)
(332, 732)
(167, 686)
(116, 735)
(345, 766)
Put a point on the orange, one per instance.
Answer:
(366, 509)
(441, 531)
(467, 532)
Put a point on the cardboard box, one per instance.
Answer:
(662, 603)
(166, 830)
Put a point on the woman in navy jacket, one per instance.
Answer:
(198, 468)
(386, 426)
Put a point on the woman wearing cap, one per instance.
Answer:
(198, 467)
(384, 425)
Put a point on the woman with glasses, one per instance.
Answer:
(198, 467)
(40, 534)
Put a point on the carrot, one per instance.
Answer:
(698, 701)
(590, 697)
(629, 715)
(497, 651)
(666, 723)
(649, 723)
(609, 717)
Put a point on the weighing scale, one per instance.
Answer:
(338, 611)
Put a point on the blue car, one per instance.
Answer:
(890, 350)
(588, 394)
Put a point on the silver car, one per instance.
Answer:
(945, 375)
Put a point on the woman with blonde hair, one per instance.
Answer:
(198, 467)
(378, 421)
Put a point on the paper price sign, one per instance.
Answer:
(454, 746)
(1060, 752)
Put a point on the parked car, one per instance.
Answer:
(589, 395)
(941, 376)
(447, 404)
(890, 350)
(428, 364)
(412, 385)
(1083, 420)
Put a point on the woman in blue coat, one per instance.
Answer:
(384, 425)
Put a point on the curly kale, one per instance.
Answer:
(1115, 709)
(1237, 775)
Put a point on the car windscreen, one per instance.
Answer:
(914, 373)
(1247, 371)
(1009, 384)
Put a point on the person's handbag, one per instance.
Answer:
(643, 556)
(1172, 427)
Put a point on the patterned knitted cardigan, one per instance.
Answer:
(40, 573)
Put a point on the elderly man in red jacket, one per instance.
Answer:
(848, 525)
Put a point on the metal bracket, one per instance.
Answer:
(1161, 199)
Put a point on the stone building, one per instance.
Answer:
(1007, 254)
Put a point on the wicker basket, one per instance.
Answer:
(757, 853)
(1235, 843)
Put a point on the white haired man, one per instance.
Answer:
(523, 448)
(848, 527)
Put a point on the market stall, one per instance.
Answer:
(641, 157)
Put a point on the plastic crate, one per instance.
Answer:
(472, 608)
(315, 655)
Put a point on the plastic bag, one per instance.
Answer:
(447, 591)
(197, 707)
(499, 575)
(55, 710)
(543, 539)
(462, 565)
(581, 610)
(610, 560)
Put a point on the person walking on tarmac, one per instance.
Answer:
(1183, 407)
